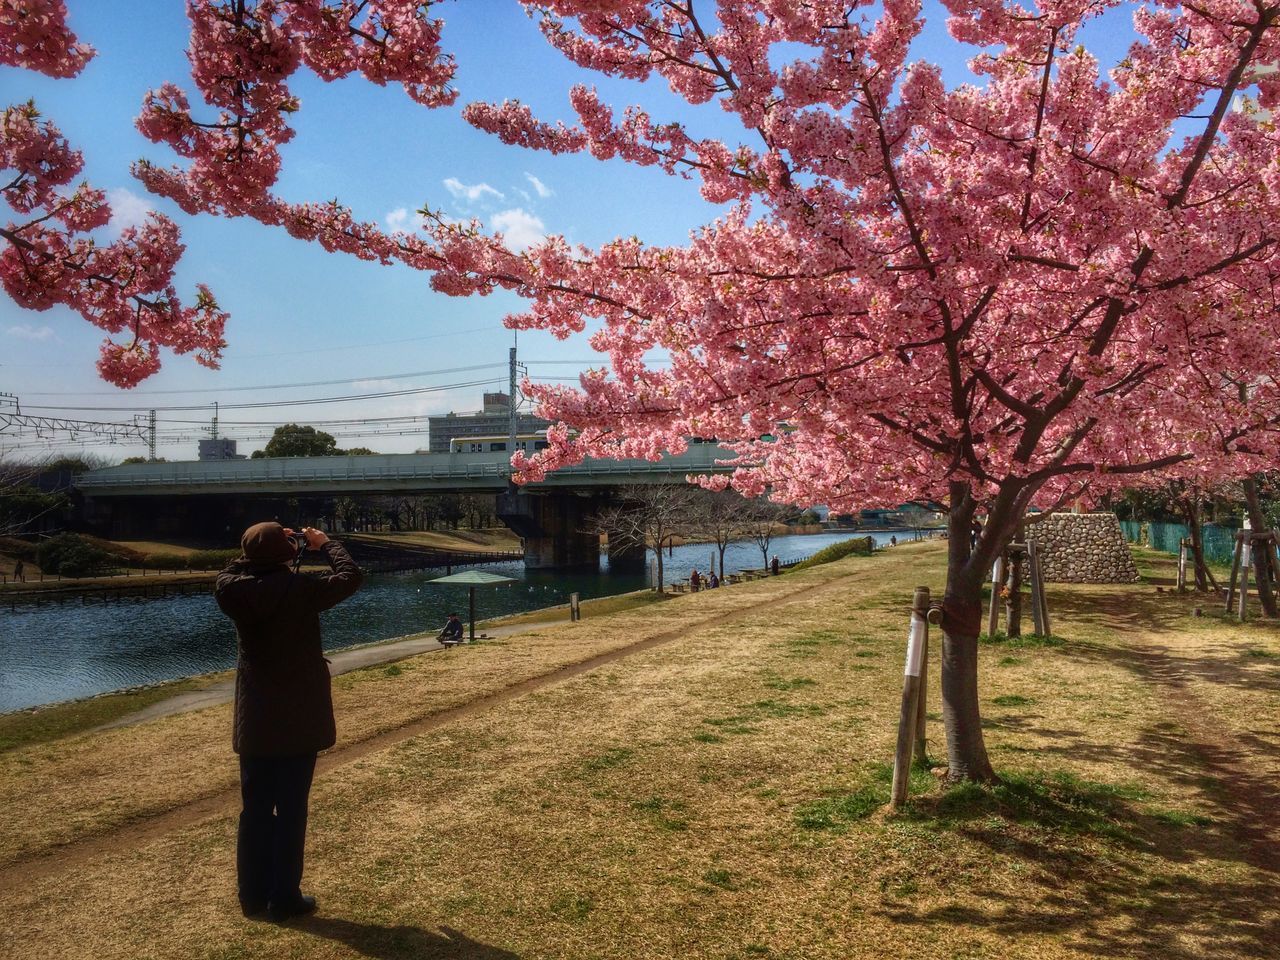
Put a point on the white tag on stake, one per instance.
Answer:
(915, 645)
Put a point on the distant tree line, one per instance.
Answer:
(658, 516)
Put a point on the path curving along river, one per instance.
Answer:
(56, 652)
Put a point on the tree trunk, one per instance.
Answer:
(962, 618)
(1195, 524)
(1262, 566)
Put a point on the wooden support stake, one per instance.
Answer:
(922, 711)
(1235, 574)
(1037, 590)
(917, 638)
(997, 580)
(1182, 565)
(575, 608)
(1044, 600)
(1246, 558)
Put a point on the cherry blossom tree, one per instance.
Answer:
(50, 257)
(1019, 290)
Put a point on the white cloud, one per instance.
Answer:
(24, 331)
(521, 228)
(543, 190)
(402, 218)
(471, 192)
(127, 210)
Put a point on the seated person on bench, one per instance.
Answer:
(452, 632)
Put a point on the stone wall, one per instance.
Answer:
(1083, 548)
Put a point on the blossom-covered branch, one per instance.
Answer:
(50, 258)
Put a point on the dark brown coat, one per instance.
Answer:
(283, 704)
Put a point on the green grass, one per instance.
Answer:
(1021, 643)
(794, 683)
(719, 878)
(613, 757)
(1011, 700)
(857, 547)
(1058, 802)
(835, 813)
(808, 644)
(1180, 818)
(572, 906)
(657, 808)
(838, 809)
(25, 727)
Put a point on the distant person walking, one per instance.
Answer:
(695, 580)
(19, 572)
(975, 533)
(773, 566)
(283, 705)
(893, 541)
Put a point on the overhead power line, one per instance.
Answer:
(13, 419)
(276, 403)
(267, 386)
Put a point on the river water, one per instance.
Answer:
(57, 652)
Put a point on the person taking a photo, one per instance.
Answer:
(283, 705)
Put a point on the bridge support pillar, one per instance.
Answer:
(556, 528)
(626, 555)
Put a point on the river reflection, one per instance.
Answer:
(63, 651)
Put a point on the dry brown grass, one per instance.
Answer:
(709, 798)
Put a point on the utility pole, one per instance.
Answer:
(151, 436)
(513, 417)
(213, 427)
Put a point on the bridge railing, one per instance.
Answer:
(381, 468)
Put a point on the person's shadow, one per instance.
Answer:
(401, 943)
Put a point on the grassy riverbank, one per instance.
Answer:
(58, 720)
(710, 787)
(132, 555)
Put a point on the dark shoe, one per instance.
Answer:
(280, 912)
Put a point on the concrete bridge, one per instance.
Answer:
(213, 498)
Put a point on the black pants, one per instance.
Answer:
(273, 828)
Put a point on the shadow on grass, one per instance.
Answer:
(401, 942)
(1098, 860)
(1244, 800)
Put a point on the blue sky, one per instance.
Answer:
(299, 314)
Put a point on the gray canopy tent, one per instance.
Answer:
(472, 579)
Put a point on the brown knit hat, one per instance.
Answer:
(267, 543)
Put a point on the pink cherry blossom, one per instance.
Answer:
(49, 259)
(1024, 290)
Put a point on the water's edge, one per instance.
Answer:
(59, 654)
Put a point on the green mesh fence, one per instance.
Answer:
(1219, 542)
(1165, 537)
(1132, 530)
